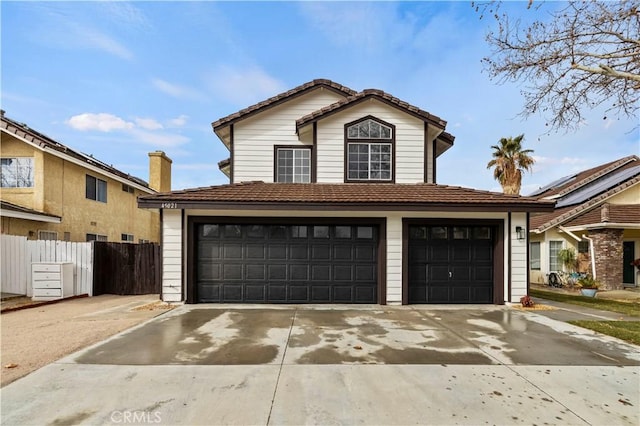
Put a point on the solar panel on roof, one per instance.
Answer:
(597, 187)
(554, 184)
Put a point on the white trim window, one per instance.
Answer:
(293, 165)
(369, 129)
(554, 262)
(127, 238)
(534, 255)
(16, 172)
(96, 237)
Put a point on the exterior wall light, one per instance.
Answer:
(521, 233)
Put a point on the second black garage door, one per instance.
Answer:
(451, 264)
(273, 263)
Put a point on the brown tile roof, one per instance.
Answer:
(275, 100)
(23, 131)
(608, 213)
(364, 95)
(363, 196)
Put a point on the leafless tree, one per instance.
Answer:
(580, 56)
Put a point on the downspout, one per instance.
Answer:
(592, 254)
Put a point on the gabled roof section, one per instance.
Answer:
(278, 99)
(607, 214)
(590, 189)
(25, 133)
(370, 197)
(570, 183)
(375, 94)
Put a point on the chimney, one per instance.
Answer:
(159, 171)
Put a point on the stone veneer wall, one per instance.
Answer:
(607, 244)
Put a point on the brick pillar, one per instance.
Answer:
(607, 244)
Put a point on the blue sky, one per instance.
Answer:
(120, 79)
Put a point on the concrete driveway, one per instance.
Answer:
(328, 365)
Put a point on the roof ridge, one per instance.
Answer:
(281, 96)
(612, 166)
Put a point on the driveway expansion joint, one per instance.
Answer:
(284, 355)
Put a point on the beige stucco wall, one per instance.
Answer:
(630, 195)
(60, 190)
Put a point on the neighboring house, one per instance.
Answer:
(333, 200)
(51, 192)
(598, 215)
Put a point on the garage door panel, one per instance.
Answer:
(438, 294)
(256, 251)
(483, 295)
(365, 273)
(255, 293)
(277, 251)
(343, 252)
(232, 272)
(438, 273)
(209, 250)
(299, 272)
(320, 293)
(460, 294)
(232, 251)
(298, 293)
(461, 253)
(320, 273)
(438, 252)
(460, 273)
(483, 273)
(321, 252)
(277, 292)
(286, 263)
(342, 273)
(417, 254)
(255, 272)
(343, 294)
(277, 272)
(232, 293)
(210, 292)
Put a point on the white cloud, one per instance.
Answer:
(178, 121)
(143, 130)
(148, 123)
(101, 122)
(243, 86)
(177, 91)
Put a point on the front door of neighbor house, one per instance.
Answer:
(628, 255)
(450, 264)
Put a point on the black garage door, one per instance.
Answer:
(272, 263)
(450, 264)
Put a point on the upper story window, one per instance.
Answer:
(369, 151)
(96, 189)
(16, 173)
(369, 129)
(293, 165)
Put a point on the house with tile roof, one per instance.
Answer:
(49, 191)
(597, 214)
(333, 198)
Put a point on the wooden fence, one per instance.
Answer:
(122, 268)
(17, 253)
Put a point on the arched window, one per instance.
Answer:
(369, 147)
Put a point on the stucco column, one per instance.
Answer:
(607, 244)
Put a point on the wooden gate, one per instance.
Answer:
(126, 269)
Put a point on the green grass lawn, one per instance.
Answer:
(626, 330)
(626, 308)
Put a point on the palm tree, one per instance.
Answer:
(509, 161)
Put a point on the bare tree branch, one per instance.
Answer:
(571, 60)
